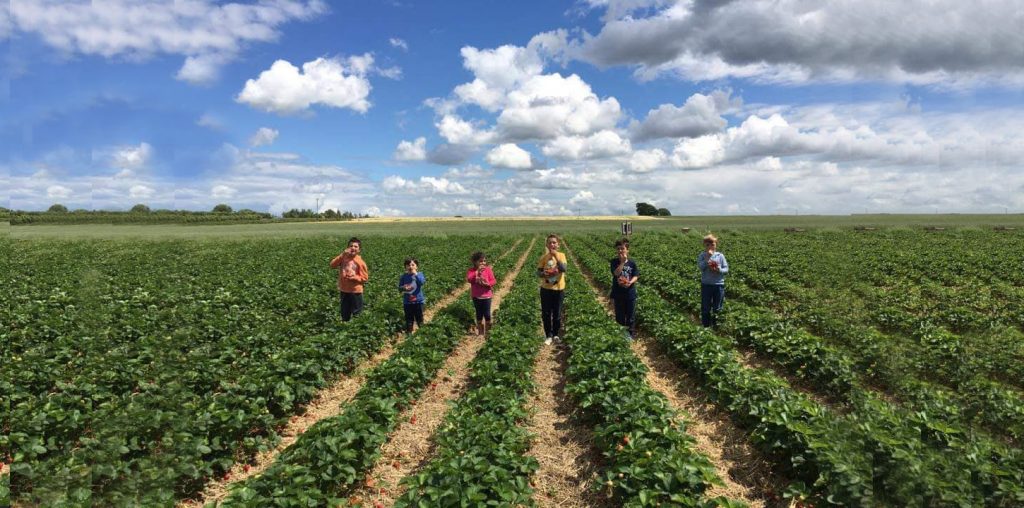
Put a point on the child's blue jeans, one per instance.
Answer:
(712, 296)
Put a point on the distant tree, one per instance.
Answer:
(295, 213)
(57, 208)
(222, 208)
(347, 215)
(140, 208)
(663, 212)
(331, 214)
(646, 209)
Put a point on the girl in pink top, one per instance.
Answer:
(481, 287)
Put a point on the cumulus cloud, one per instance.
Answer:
(461, 132)
(208, 34)
(141, 192)
(699, 115)
(415, 150)
(332, 82)
(582, 197)
(223, 192)
(131, 158)
(509, 156)
(601, 144)
(796, 41)
(644, 161)
(263, 136)
(58, 192)
(548, 106)
(423, 185)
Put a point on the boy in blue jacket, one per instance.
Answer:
(411, 285)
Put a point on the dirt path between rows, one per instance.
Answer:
(569, 463)
(411, 446)
(747, 475)
(327, 403)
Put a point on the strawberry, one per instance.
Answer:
(246, 468)
(413, 420)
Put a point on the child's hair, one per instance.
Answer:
(711, 238)
(622, 243)
(478, 256)
(552, 235)
(409, 261)
(355, 241)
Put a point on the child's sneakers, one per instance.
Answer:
(547, 341)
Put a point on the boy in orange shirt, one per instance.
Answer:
(351, 277)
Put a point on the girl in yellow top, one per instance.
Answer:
(551, 271)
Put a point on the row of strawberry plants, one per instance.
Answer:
(898, 430)
(198, 404)
(650, 460)
(919, 350)
(934, 354)
(810, 357)
(481, 447)
(332, 456)
(806, 439)
(904, 462)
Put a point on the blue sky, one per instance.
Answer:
(513, 108)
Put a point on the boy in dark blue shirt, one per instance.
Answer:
(624, 276)
(411, 285)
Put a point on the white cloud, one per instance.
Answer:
(377, 211)
(202, 69)
(131, 158)
(58, 192)
(698, 152)
(398, 43)
(140, 192)
(336, 83)
(644, 161)
(424, 185)
(471, 171)
(460, 132)
(700, 115)
(598, 145)
(548, 106)
(411, 150)
(581, 197)
(208, 34)
(263, 136)
(509, 156)
(950, 42)
(223, 192)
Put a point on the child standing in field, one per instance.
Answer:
(551, 271)
(411, 284)
(713, 268)
(481, 287)
(624, 276)
(352, 274)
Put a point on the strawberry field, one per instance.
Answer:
(861, 368)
